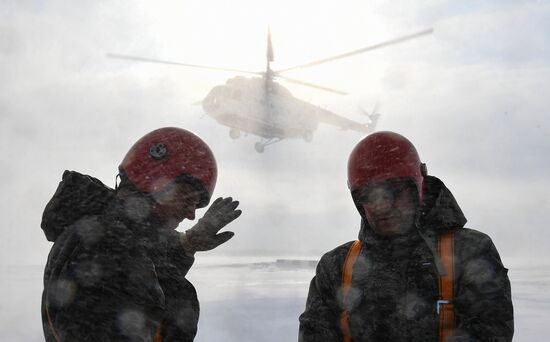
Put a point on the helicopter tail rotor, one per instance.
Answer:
(373, 116)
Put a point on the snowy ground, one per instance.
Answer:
(255, 299)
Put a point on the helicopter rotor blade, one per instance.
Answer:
(376, 108)
(312, 85)
(365, 49)
(151, 60)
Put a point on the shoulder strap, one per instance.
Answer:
(50, 323)
(445, 306)
(158, 334)
(347, 272)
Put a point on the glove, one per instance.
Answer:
(204, 235)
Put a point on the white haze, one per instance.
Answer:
(473, 97)
(257, 299)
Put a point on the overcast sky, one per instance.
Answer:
(473, 97)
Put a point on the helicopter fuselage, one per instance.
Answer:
(263, 107)
(244, 105)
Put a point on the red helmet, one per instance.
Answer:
(382, 156)
(167, 153)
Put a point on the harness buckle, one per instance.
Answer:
(439, 303)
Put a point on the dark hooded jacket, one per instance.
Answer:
(395, 283)
(112, 275)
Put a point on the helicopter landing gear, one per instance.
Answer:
(260, 145)
(308, 136)
(234, 133)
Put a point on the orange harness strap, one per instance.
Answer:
(50, 323)
(158, 334)
(445, 307)
(347, 272)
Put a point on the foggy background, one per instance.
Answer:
(473, 97)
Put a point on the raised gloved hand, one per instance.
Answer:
(204, 235)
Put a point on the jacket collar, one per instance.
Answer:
(439, 210)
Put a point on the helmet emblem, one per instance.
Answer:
(158, 151)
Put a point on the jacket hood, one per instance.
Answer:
(76, 196)
(439, 211)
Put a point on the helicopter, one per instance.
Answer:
(263, 107)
